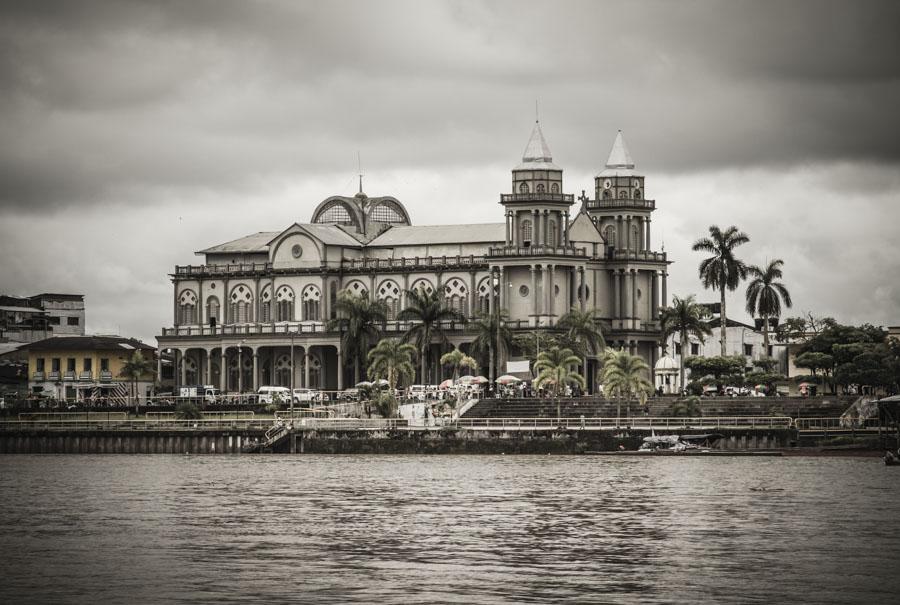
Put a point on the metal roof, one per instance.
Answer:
(86, 343)
(442, 234)
(619, 161)
(257, 242)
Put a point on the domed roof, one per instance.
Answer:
(666, 364)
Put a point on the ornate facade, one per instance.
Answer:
(261, 303)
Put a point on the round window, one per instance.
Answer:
(523, 290)
(297, 251)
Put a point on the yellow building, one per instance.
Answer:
(76, 368)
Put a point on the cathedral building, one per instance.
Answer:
(258, 306)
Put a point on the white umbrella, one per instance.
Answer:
(467, 379)
(507, 379)
(481, 380)
(446, 384)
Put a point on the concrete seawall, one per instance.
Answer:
(366, 441)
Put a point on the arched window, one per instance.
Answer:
(526, 232)
(609, 234)
(637, 194)
(540, 188)
(240, 300)
(523, 187)
(187, 304)
(423, 285)
(265, 305)
(553, 239)
(284, 304)
(283, 371)
(554, 188)
(456, 294)
(212, 310)
(315, 370)
(389, 292)
(310, 299)
(484, 296)
(356, 288)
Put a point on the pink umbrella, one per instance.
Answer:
(446, 384)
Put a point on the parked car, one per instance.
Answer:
(307, 395)
(350, 394)
(268, 394)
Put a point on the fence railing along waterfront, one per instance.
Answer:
(636, 422)
(837, 423)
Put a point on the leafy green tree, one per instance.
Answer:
(457, 360)
(360, 321)
(685, 318)
(493, 339)
(391, 360)
(188, 410)
(765, 295)
(687, 408)
(429, 312)
(583, 329)
(386, 404)
(718, 367)
(554, 370)
(134, 369)
(624, 376)
(722, 271)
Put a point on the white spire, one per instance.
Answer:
(537, 150)
(618, 155)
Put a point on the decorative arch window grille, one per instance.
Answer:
(540, 188)
(554, 188)
(634, 238)
(384, 213)
(389, 292)
(423, 285)
(212, 310)
(187, 303)
(315, 370)
(526, 232)
(456, 294)
(484, 296)
(240, 300)
(554, 240)
(283, 371)
(190, 370)
(335, 213)
(265, 305)
(523, 187)
(609, 234)
(623, 195)
(284, 304)
(356, 288)
(310, 298)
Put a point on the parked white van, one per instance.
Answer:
(267, 395)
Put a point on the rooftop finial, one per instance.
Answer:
(537, 116)
(359, 167)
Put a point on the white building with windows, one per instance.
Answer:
(239, 314)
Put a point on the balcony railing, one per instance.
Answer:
(182, 270)
(37, 376)
(53, 375)
(356, 264)
(535, 251)
(86, 375)
(637, 255)
(604, 204)
(105, 375)
(285, 329)
(537, 197)
(70, 375)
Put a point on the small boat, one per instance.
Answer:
(679, 443)
(890, 459)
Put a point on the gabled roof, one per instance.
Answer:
(256, 242)
(537, 153)
(330, 235)
(583, 229)
(441, 234)
(87, 343)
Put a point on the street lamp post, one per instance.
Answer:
(293, 333)
(240, 369)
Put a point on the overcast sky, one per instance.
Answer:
(136, 133)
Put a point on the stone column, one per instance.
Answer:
(326, 300)
(551, 294)
(255, 370)
(502, 294)
(159, 364)
(223, 370)
(628, 290)
(566, 229)
(647, 233)
(581, 288)
(473, 295)
(545, 290)
(617, 296)
(340, 368)
(634, 308)
(183, 367)
(654, 295)
(620, 233)
(306, 358)
(665, 297)
(491, 303)
(628, 232)
(534, 297)
(208, 366)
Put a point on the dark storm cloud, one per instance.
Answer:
(107, 96)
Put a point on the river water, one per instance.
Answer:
(448, 529)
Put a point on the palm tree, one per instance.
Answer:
(359, 321)
(583, 328)
(391, 360)
(493, 337)
(458, 360)
(428, 310)
(765, 295)
(624, 376)
(686, 318)
(554, 369)
(134, 369)
(722, 271)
